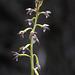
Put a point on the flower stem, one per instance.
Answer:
(31, 58)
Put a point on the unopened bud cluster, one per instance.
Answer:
(32, 36)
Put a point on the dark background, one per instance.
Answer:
(57, 49)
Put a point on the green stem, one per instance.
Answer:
(31, 53)
(35, 22)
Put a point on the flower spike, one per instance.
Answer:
(35, 67)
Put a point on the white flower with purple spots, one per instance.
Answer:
(29, 21)
(47, 14)
(22, 33)
(29, 11)
(45, 26)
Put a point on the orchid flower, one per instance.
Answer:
(29, 21)
(45, 26)
(30, 10)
